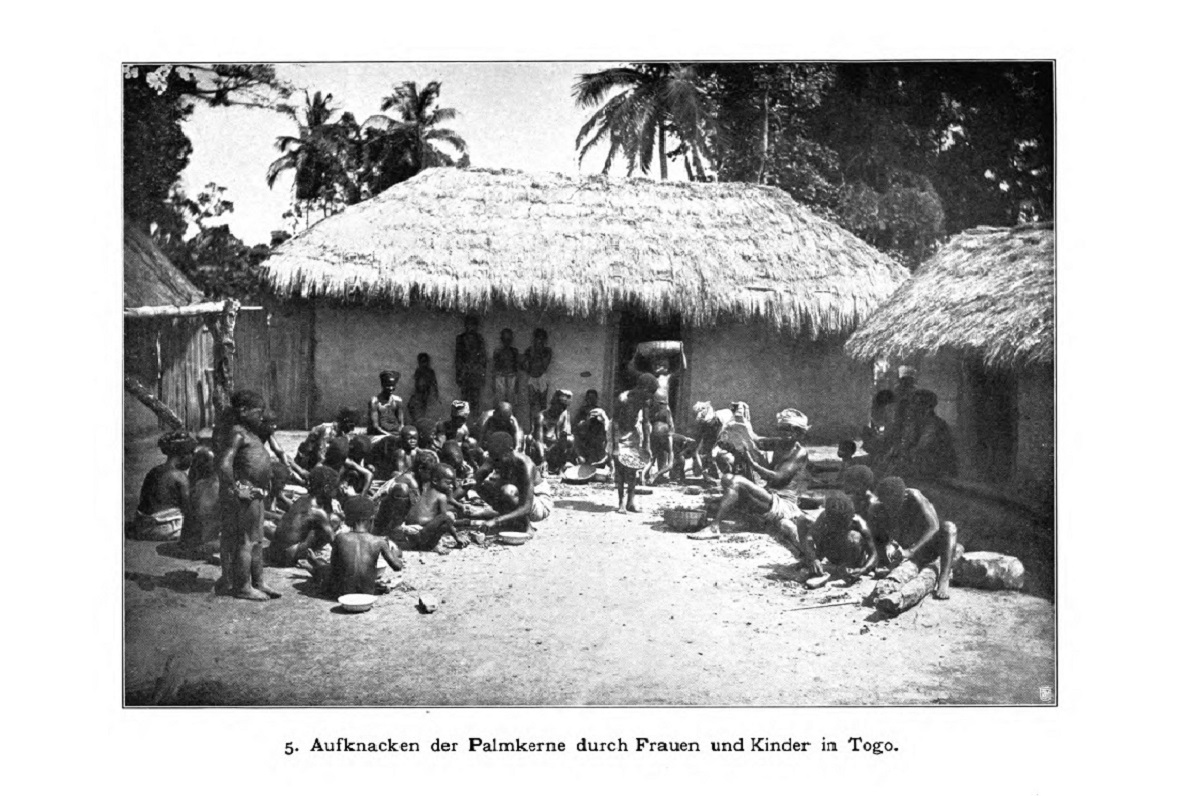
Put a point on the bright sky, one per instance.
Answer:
(512, 115)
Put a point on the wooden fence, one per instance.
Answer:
(273, 357)
(173, 358)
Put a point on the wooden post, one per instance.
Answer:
(224, 350)
(160, 409)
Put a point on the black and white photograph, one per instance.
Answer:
(589, 383)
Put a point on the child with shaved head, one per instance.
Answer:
(356, 552)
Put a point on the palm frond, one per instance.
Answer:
(590, 88)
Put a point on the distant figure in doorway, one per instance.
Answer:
(470, 362)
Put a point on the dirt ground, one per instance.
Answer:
(598, 609)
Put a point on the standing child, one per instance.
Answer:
(245, 473)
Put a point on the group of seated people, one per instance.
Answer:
(435, 486)
(444, 484)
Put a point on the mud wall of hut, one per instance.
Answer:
(172, 357)
(770, 371)
(354, 343)
(1035, 433)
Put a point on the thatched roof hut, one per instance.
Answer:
(470, 240)
(150, 278)
(989, 292)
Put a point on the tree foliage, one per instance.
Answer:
(340, 163)
(902, 154)
(647, 105)
(157, 100)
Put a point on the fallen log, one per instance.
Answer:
(907, 585)
(160, 409)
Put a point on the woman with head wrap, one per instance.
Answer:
(385, 410)
(165, 490)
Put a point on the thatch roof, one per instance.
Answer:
(470, 239)
(150, 279)
(989, 291)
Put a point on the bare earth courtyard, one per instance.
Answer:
(598, 609)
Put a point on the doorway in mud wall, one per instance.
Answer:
(640, 327)
(992, 443)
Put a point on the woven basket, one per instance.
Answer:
(684, 519)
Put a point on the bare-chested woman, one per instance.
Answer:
(245, 474)
(165, 490)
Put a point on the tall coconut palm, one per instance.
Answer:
(320, 153)
(654, 100)
(423, 121)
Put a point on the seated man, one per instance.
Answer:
(430, 523)
(511, 486)
(930, 453)
(905, 518)
(309, 523)
(841, 539)
(553, 431)
(356, 552)
(312, 451)
(591, 400)
(778, 501)
(385, 410)
(165, 490)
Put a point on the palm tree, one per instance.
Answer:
(323, 154)
(655, 99)
(418, 141)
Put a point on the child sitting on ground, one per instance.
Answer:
(430, 522)
(356, 552)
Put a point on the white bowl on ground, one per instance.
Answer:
(356, 603)
(513, 537)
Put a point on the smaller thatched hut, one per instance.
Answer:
(978, 319)
(167, 347)
(762, 291)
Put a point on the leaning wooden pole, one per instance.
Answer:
(224, 350)
(160, 409)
